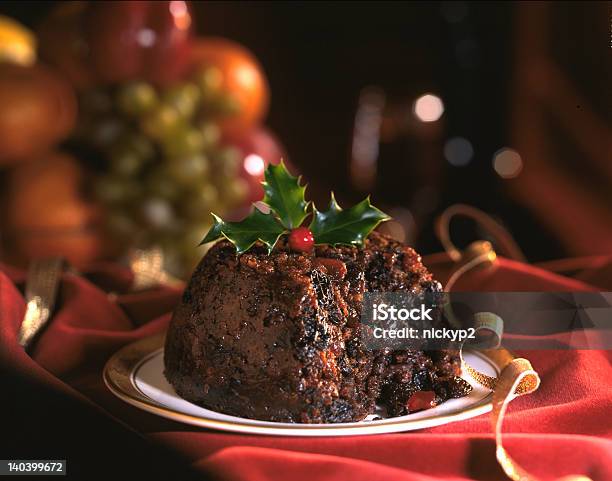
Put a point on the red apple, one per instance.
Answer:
(116, 41)
(137, 39)
(258, 148)
(62, 44)
(168, 58)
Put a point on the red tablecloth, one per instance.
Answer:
(563, 428)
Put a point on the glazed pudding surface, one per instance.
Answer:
(277, 336)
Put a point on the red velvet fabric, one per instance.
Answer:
(563, 428)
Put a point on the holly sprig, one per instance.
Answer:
(350, 226)
(286, 200)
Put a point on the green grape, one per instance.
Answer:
(157, 213)
(161, 184)
(105, 131)
(136, 98)
(208, 195)
(227, 105)
(210, 80)
(188, 170)
(124, 162)
(185, 141)
(96, 102)
(161, 122)
(141, 145)
(229, 156)
(199, 205)
(184, 98)
(235, 191)
(116, 190)
(128, 155)
(211, 133)
(226, 162)
(121, 224)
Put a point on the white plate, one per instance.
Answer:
(135, 374)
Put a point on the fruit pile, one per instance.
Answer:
(167, 129)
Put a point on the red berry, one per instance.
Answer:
(301, 239)
(421, 400)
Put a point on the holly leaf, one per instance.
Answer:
(351, 226)
(243, 234)
(285, 195)
(215, 231)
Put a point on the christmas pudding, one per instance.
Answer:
(269, 325)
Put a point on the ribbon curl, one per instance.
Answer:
(517, 376)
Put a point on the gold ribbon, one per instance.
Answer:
(517, 376)
(498, 232)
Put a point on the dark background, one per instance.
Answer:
(318, 57)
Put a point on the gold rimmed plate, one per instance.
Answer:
(135, 375)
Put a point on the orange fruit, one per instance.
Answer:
(46, 213)
(237, 74)
(37, 110)
(17, 43)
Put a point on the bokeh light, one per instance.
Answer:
(180, 14)
(146, 37)
(458, 151)
(428, 108)
(254, 164)
(507, 163)
(247, 75)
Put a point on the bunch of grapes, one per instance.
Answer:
(163, 165)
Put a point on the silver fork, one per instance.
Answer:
(41, 291)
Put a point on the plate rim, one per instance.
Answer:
(118, 376)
